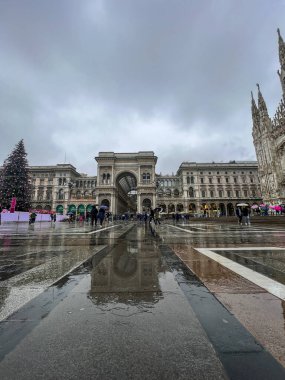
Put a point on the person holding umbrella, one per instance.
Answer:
(246, 213)
(101, 214)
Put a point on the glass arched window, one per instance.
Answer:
(192, 179)
(191, 192)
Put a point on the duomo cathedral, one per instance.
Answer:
(269, 140)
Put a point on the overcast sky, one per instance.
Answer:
(79, 77)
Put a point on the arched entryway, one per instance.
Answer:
(81, 210)
(126, 183)
(180, 207)
(105, 202)
(230, 209)
(126, 179)
(192, 208)
(72, 208)
(59, 209)
(222, 209)
(146, 204)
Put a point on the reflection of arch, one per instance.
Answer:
(125, 264)
(171, 208)
(59, 209)
(48, 207)
(146, 203)
(213, 206)
(105, 202)
(230, 209)
(39, 207)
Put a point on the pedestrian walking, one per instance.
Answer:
(32, 218)
(54, 218)
(94, 213)
(145, 216)
(151, 215)
(239, 215)
(246, 214)
(101, 215)
(1, 208)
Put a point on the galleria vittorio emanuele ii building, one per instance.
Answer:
(128, 182)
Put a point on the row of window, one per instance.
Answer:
(85, 183)
(234, 172)
(191, 180)
(221, 194)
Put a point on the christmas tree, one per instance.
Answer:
(14, 180)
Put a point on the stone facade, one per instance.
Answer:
(269, 140)
(62, 188)
(209, 188)
(128, 182)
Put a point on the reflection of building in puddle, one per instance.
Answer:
(127, 274)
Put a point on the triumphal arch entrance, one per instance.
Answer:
(126, 181)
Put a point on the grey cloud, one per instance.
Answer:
(103, 66)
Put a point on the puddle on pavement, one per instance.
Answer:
(129, 273)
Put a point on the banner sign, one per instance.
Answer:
(13, 205)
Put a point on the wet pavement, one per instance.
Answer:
(135, 301)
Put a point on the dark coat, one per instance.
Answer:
(101, 213)
(94, 211)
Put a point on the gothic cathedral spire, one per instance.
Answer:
(254, 112)
(281, 73)
(261, 104)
